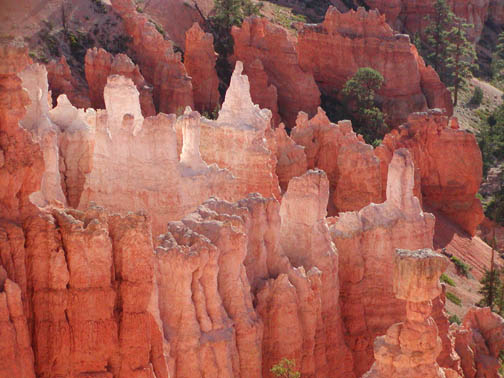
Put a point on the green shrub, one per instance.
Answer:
(477, 97)
(454, 319)
(139, 10)
(453, 298)
(462, 267)
(444, 278)
(285, 369)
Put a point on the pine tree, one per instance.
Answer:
(461, 57)
(436, 37)
(498, 59)
(490, 290)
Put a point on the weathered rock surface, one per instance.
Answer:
(291, 157)
(127, 146)
(366, 242)
(260, 43)
(335, 49)
(449, 164)
(411, 348)
(99, 65)
(351, 166)
(305, 239)
(22, 161)
(199, 61)
(158, 62)
(241, 140)
(479, 341)
(61, 81)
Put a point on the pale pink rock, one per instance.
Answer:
(199, 61)
(127, 147)
(99, 65)
(258, 39)
(291, 158)
(305, 239)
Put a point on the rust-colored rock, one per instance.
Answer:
(199, 61)
(352, 168)
(449, 164)
(411, 348)
(479, 340)
(99, 65)
(305, 239)
(23, 164)
(158, 62)
(366, 242)
(61, 81)
(291, 157)
(258, 39)
(335, 49)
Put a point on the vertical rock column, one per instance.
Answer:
(410, 349)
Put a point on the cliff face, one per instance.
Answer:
(159, 64)
(99, 65)
(335, 49)
(260, 43)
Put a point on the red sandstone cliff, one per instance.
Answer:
(335, 49)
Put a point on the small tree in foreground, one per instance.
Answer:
(285, 369)
(361, 90)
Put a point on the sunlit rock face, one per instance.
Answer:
(99, 65)
(335, 49)
(412, 347)
(448, 164)
(366, 241)
(266, 50)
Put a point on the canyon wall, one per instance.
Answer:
(335, 49)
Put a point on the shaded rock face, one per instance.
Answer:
(99, 65)
(410, 16)
(61, 82)
(334, 50)
(366, 242)
(269, 58)
(352, 168)
(449, 165)
(199, 61)
(158, 62)
(411, 348)
(479, 341)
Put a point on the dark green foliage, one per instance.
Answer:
(360, 92)
(228, 13)
(79, 42)
(491, 287)
(436, 36)
(444, 278)
(285, 369)
(491, 139)
(119, 44)
(454, 319)
(462, 268)
(477, 97)
(498, 59)
(453, 298)
(460, 60)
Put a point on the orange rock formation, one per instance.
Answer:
(334, 50)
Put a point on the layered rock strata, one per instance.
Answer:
(269, 57)
(99, 65)
(411, 348)
(335, 49)
(366, 241)
(158, 62)
(199, 61)
(448, 161)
